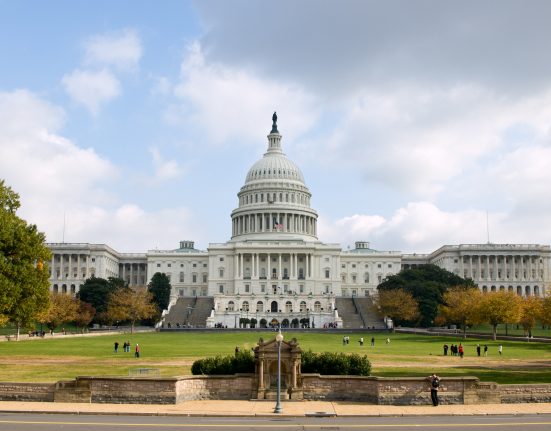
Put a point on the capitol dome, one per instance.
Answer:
(274, 202)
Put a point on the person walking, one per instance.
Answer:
(116, 347)
(500, 349)
(485, 350)
(372, 341)
(434, 386)
(361, 341)
(478, 349)
(137, 351)
(461, 351)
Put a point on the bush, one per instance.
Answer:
(331, 363)
(241, 362)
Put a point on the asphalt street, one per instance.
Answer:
(52, 422)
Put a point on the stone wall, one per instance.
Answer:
(525, 393)
(27, 391)
(370, 390)
(236, 387)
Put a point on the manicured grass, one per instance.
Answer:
(61, 357)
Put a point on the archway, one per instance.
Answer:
(273, 307)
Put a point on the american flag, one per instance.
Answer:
(277, 226)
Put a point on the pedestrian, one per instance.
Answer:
(485, 350)
(500, 349)
(446, 350)
(116, 347)
(460, 350)
(388, 340)
(373, 341)
(361, 341)
(478, 349)
(344, 341)
(434, 386)
(137, 351)
(236, 350)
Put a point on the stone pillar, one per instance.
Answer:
(279, 266)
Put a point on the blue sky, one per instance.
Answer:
(413, 122)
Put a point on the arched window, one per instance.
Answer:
(245, 306)
(366, 278)
(288, 307)
(231, 306)
(302, 307)
(273, 307)
(317, 306)
(259, 307)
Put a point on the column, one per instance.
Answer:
(296, 265)
(307, 258)
(269, 269)
(261, 373)
(241, 265)
(52, 267)
(236, 265)
(279, 266)
(487, 270)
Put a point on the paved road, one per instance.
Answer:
(54, 422)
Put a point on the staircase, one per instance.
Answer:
(189, 312)
(368, 313)
(348, 313)
(200, 312)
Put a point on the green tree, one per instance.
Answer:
(427, 284)
(160, 288)
(500, 307)
(96, 291)
(461, 307)
(24, 278)
(397, 304)
(130, 305)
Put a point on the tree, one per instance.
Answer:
(427, 284)
(85, 315)
(160, 288)
(531, 311)
(397, 304)
(63, 308)
(545, 316)
(500, 307)
(130, 305)
(96, 291)
(461, 306)
(24, 278)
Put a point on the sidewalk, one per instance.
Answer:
(265, 408)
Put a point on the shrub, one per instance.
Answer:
(331, 363)
(241, 362)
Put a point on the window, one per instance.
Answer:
(379, 265)
(195, 265)
(169, 265)
(317, 306)
(245, 306)
(379, 278)
(301, 288)
(366, 278)
(169, 276)
(204, 265)
(158, 265)
(343, 278)
(343, 265)
(390, 265)
(221, 272)
(204, 278)
(181, 277)
(288, 307)
(353, 279)
(231, 306)
(259, 307)
(263, 288)
(353, 265)
(181, 265)
(327, 273)
(221, 288)
(194, 278)
(247, 288)
(222, 259)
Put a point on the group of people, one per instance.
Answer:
(126, 348)
(330, 325)
(458, 350)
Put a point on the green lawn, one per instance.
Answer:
(60, 357)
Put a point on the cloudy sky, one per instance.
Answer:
(415, 123)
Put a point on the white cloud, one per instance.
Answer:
(230, 102)
(164, 169)
(91, 89)
(122, 49)
(56, 179)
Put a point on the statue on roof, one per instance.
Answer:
(274, 123)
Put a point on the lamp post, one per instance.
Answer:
(279, 339)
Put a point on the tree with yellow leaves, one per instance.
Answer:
(461, 307)
(63, 308)
(532, 308)
(397, 304)
(500, 307)
(130, 305)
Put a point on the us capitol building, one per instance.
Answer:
(276, 270)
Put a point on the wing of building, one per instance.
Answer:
(275, 270)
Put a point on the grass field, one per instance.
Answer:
(60, 357)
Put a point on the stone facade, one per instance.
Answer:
(370, 390)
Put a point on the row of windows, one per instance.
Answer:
(273, 197)
(366, 278)
(182, 278)
(379, 265)
(274, 307)
(169, 264)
